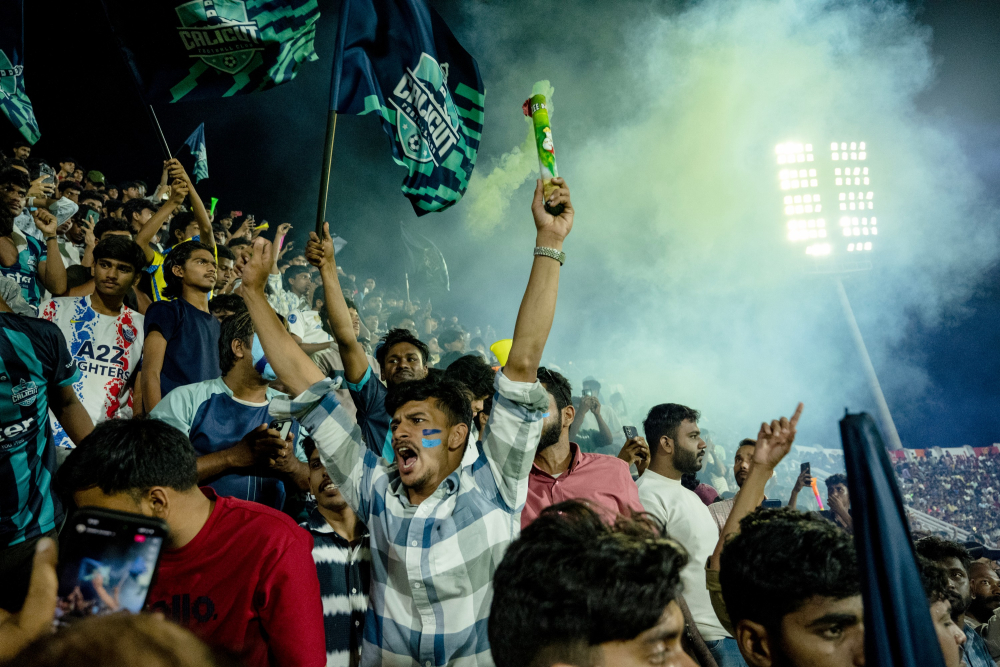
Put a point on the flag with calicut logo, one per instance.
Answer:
(398, 59)
(13, 99)
(181, 50)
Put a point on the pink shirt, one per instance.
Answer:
(603, 480)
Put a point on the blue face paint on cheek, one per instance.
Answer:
(431, 442)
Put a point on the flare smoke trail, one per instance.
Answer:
(680, 284)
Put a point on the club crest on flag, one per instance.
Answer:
(9, 73)
(427, 120)
(219, 32)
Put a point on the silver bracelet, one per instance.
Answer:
(558, 255)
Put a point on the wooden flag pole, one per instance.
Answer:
(324, 176)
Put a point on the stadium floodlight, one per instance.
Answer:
(808, 182)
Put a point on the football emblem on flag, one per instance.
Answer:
(219, 32)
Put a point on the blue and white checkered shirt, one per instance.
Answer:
(432, 563)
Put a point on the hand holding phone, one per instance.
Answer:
(106, 563)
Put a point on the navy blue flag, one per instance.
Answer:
(425, 262)
(898, 627)
(398, 60)
(181, 50)
(196, 144)
(13, 99)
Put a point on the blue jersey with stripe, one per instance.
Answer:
(34, 361)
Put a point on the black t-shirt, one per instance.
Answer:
(192, 336)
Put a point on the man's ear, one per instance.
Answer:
(754, 643)
(236, 345)
(665, 445)
(157, 501)
(177, 270)
(568, 415)
(458, 436)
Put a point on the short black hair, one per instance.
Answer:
(237, 326)
(747, 442)
(293, 271)
(781, 558)
(395, 337)
(224, 252)
(449, 336)
(232, 303)
(938, 549)
(130, 184)
(178, 224)
(557, 385)
(122, 249)
(474, 373)
(11, 176)
(113, 205)
(664, 420)
(934, 580)
(130, 456)
(236, 242)
(91, 194)
(308, 446)
(105, 225)
(133, 206)
(396, 318)
(68, 159)
(450, 396)
(69, 185)
(571, 582)
(179, 256)
(834, 480)
(20, 143)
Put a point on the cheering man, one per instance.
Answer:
(443, 516)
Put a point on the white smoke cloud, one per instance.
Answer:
(680, 284)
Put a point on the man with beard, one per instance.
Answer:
(676, 447)
(402, 357)
(955, 561)
(741, 468)
(562, 472)
(985, 588)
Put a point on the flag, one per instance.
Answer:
(898, 627)
(13, 99)
(398, 60)
(206, 49)
(196, 144)
(425, 262)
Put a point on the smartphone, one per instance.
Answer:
(588, 392)
(282, 426)
(630, 432)
(92, 216)
(772, 504)
(805, 468)
(48, 172)
(107, 560)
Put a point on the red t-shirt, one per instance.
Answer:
(246, 583)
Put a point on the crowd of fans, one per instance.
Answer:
(349, 477)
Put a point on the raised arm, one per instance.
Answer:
(774, 441)
(538, 307)
(178, 191)
(52, 273)
(177, 172)
(292, 365)
(320, 254)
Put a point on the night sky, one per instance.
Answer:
(265, 150)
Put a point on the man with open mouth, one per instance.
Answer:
(442, 515)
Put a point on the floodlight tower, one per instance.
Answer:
(843, 184)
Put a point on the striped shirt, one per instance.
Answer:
(344, 573)
(432, 563)
(34, 360)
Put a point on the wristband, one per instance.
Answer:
(558, 255)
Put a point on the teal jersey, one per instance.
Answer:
(25, 270)
(34, 360)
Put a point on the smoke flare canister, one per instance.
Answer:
(536, 108)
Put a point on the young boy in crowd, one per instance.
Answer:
(104, 335)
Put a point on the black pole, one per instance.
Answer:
(324, 175)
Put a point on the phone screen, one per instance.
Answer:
(106, 562)
(774, 504)
(805, 468)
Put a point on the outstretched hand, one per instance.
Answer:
(552, 228)
(319, 252)
(775, 440)
(256, 266)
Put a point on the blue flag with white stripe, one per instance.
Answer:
(196, 144)
(399, 60)
(14, 100)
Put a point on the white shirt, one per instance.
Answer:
(688, 521)
(106, 350)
